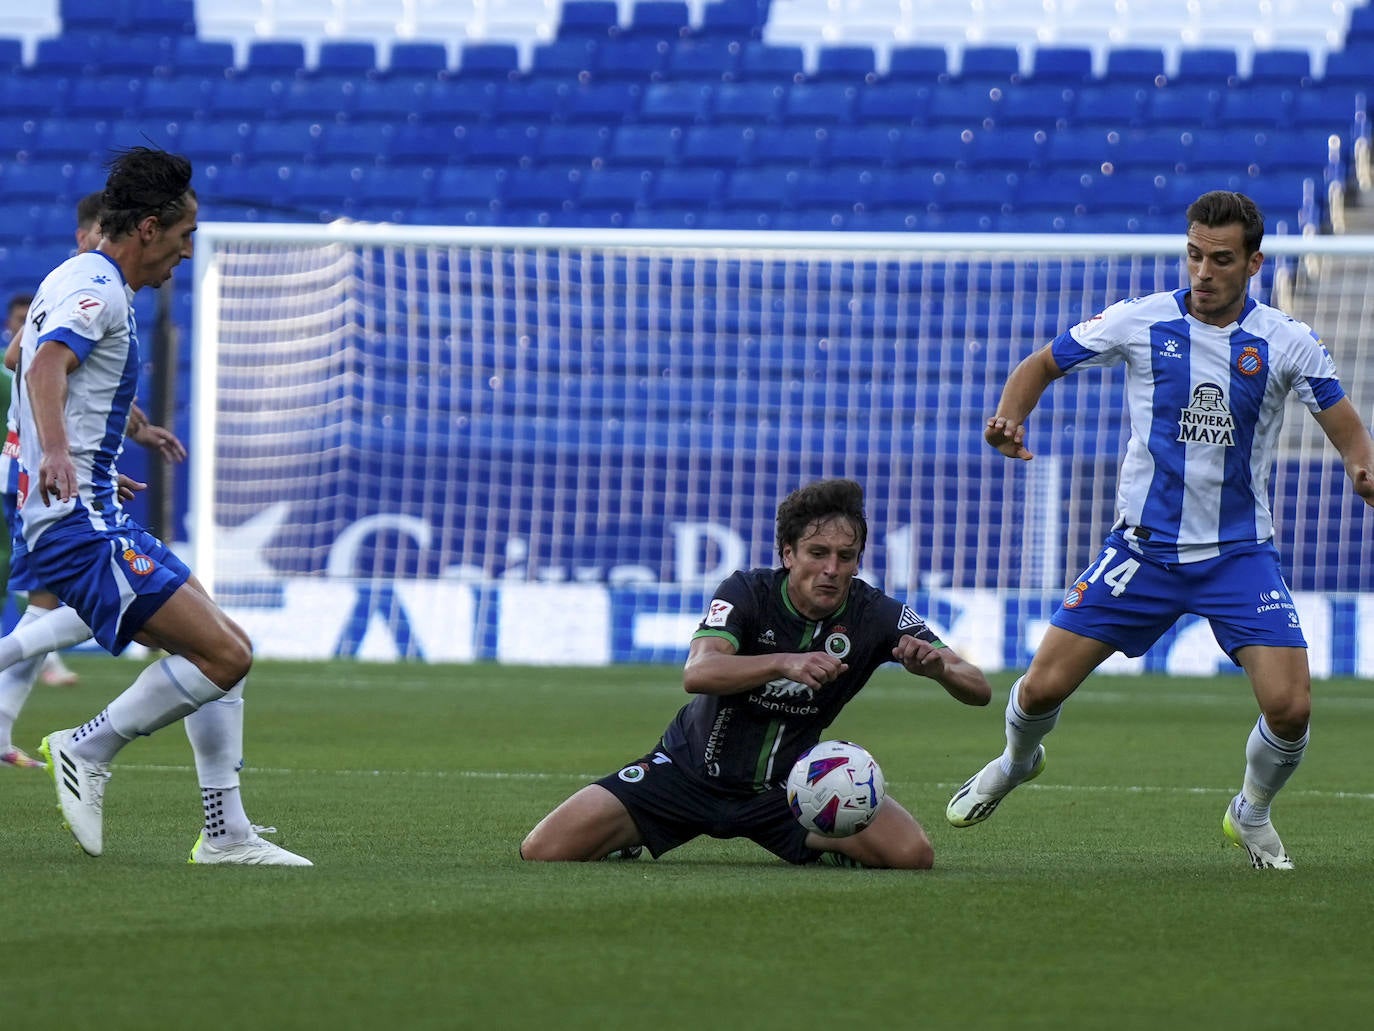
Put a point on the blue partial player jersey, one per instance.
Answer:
(86, 304)
(1205, 406)
(747, 742)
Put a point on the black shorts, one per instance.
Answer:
(671, 808)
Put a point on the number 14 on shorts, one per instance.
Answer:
(1114, 576)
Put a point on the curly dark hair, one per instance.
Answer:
(144, 181)
(817, 502)
(1224, 208)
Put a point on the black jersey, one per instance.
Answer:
(748, 741)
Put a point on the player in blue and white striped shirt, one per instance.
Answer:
(1208, 370)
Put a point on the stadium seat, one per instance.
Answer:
(359, 143)
(571, 144)
(899, 103)
(191, 55)
(619, 189)
(136, 55)
(322, 99)
(709, 59)
(1256, 104)
(758, 103)
(467, 185)
(800, 145)
(1135, 66)
(965, 104)
(566, 59)
(217, 142)
(739, 20)
(852, 63)
(423, 145)
(605, 103)
(1209, 66)
(687, 187)
(918, 64)
(41, 179)
(356, 59)
(637, 59)
(70, 138)
(1353, 67)
(459, 100)
(1183, 104)
(509, 145)
(995, 65)
(937, 147)
(658, 19)
(867, 146)
(1072, 66)
(1361, 28)
(1012, 149)
(717, 146)
(1115, 107)
(489, 61)
(103, 96)
(765, 188)
(543, 189)
(325, 186)
(676, 103)
(389, 100)
(1057, 192)
(275, 58)
(11, 55)
(69, 55)
(16, 133)
(286, 142)
(1044, 104)
(94, 16)
(772, 63)
(1327, 107)
(589, 19)
(906, 191)
(644, 146)
(1281, 68)
(820, 103)
(530, 100)
(841, 190)
(417, 59)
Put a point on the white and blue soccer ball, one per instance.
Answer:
(835, 789)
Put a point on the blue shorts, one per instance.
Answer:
(21, 575)
(1129, 601)
(671, 807)
(115, 579)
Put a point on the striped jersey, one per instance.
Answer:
(1205, 405)
(85, 304)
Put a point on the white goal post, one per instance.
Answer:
(548, 445)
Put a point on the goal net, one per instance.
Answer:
(550, 445)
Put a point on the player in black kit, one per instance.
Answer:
(778, 655)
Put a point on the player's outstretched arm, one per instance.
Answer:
(154, 438)
(713, 667)
(961, 678)
(1343, 427)
(1006, 430)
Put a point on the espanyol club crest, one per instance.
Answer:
(1075, 595)
(139, 565)
(1249, 362)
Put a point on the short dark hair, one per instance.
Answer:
(143, 181)
(18, 301)
(88, 209)
(817, 502)
(1224, 208)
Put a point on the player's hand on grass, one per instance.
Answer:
(1007, 437)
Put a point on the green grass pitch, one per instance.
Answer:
(1101, 896)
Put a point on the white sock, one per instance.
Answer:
(1269, 762)
(163, 693)
(1024, 734)
(42, 630)
(16, 681)
(216, 734)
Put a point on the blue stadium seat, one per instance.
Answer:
(709, 59)
(316, 98)
(1353, 66)
(764, 188)
(996, 65)
(275, 58)
(758, 103)
(589, 19)
(1281, 67)
(1255, 104)
(658, 19)
(253, 183)
(218, 142)
(1183, 104)
(466, 185)
(606, 103)
(1136, 193)
(530, 100)
(918, 64)
(618, 189)
(417, 59)
(1070, 65)
(717, 146)
(1361, 30)
(906, 191)
(69, 55)
(846, 63)
(356, 59)
(901, 103)
(393, 186)
(542, 189)
(72, 139)
(799, 145)
(1057, 192)
(644, 146)
(389, 100)
(966, 104)
(1212, 66)
(423, 145)
(1112, 106)
(326, 186)
(11, 55)
(360, 143)
(740, 20)
(136, 55)
(1036, 103)
(95, 16)
(489, 61)
(1011, 149)
(104, 96)
(158, 17)
(1158, 149)
(1134, 66)
(1327, 107)
(459, 100)
(16, 132)
(288, 142)
(638, 59)
(191, 55)
(567, 59)
(687, 187)
(508, 145)
(676, 103)
(572, 144)
(941, 147)
(841, 190)
(989, 192)
(819, 103)
(868, 146)
(772, 62)
(42, 179)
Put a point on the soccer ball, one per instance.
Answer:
(835, 788)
